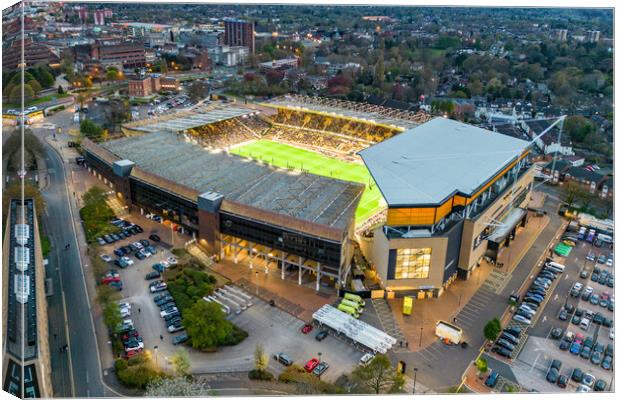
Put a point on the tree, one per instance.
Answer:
(572, 192)
(60, 90)
(482, 365)
(274, 77)
(492, 329)
(139, 371)
(198, 91)
(379, 376)
(111, 74)
(260, 358)
(16, 94)
(90, 129)
(35, 85)
(180, 362)
(178, 387)
(163, 66)
(206, 325)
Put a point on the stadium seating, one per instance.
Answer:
(224, 134)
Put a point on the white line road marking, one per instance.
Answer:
(555, 297)
(566, 277)
(544, 318)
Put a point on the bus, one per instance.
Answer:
(355, 298)
(349, 310)
(353, 304)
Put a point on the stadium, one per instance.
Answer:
(304, 182)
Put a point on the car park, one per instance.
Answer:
(584, 274)
(601, 259)
(582, 389)
(139, 255)
(552, 375)
(101, 241)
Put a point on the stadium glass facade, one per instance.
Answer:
(429, 238)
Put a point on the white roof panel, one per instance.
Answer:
(428, 163)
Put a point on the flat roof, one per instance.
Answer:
(321, 200)
(195, 118)
(364, 112)
(427, 164)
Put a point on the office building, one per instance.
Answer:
(239, 33)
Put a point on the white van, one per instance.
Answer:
(555, 266)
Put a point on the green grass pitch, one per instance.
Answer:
(285, 156)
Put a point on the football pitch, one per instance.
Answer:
(285, 156)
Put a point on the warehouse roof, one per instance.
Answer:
(427, 164)
(312, 198)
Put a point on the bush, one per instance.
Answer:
(260, 375)
(138, 371)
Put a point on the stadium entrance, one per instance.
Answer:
(273, 261)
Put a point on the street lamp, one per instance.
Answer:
(421, 330)
(415, 377)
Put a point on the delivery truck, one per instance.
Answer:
(448, 332)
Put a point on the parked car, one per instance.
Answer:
(283, 359)
(577, 375)
(180, 339)
(320, 369)
(562, 381)
(152, 275)
(321, 335)
(491, 380)
(127, 260)
(101, 241)
(307, 328)
(105, 257)
(588, 380)
(600, 385)
(311, 364)
(139, 255)
(155, 238)
(502, 351)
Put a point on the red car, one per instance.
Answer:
(311, 364)
(130, 334)
(306, 329)
(131, 353)
(108, 279)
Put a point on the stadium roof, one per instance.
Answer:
(364, 112)
(321, 200)
(195, 118)
(427, 164)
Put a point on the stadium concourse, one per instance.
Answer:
(279, 181)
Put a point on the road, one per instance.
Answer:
(69, 310)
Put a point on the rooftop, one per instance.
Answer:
(427, 164)
(307, 197)
(184, 120)
(364, 112)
